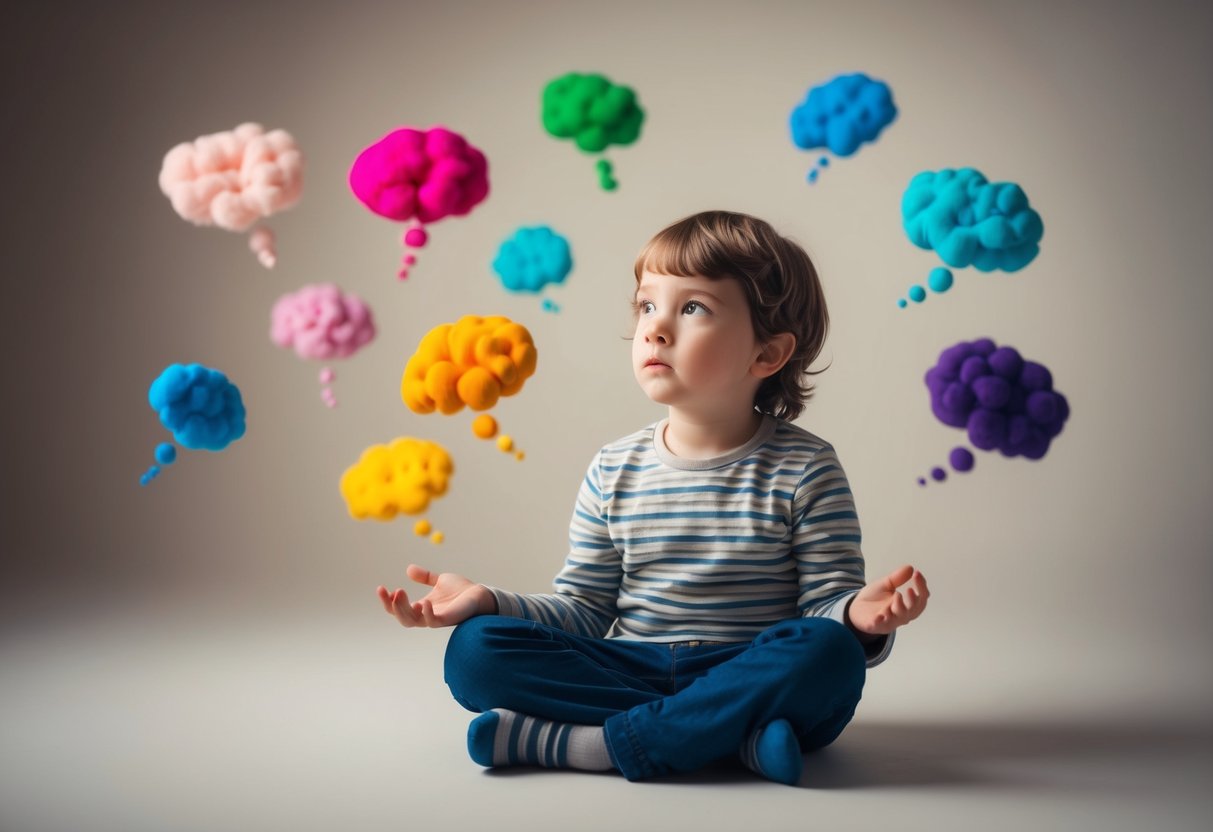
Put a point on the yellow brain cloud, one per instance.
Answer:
(400, 478)
(471, 362)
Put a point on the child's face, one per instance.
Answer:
(694, 344)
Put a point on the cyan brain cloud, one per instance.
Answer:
(968, 220)
(533, 258)
(843, 114)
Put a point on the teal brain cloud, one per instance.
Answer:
(969, 221)
(532, 258)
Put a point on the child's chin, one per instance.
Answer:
(660, 397)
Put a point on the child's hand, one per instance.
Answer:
(879, 608)
(452, 600)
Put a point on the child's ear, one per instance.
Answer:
(775, 353)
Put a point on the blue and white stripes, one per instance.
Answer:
(667, 549)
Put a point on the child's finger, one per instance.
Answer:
(427, 613)
(403, 611)
(421, 575)
(384, 598)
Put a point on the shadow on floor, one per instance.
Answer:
(1013, 755)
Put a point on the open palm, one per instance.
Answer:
(452, 599)
(883, 606)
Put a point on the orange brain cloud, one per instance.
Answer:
(472, 362)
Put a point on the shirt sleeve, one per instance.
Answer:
(587, 588)
(825, 544)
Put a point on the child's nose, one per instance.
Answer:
(658, 333)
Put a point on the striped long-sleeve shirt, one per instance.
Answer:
(668, 549)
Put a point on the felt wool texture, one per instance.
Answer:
(843, 114)
(321, 322)
(967, 220)
(591, 110)
(420, 174)
(1001, 400)
(471, 363)
(532, 258)
(233, 179)
(199, 405)
(399, 478)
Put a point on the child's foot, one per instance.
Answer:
(773, 752)
(507, 738)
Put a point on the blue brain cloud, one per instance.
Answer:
(970, 221)
(843, 114)
(199, 405)
(533, 258)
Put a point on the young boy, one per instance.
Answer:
(712, 604)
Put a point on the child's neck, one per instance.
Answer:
(691, 436)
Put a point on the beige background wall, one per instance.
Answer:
(1086, 574)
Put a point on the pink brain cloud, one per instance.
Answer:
(321, 322)
(234, 178)
(426, 174)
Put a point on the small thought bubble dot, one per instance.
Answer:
(940, 280)
(961, 459)
(484, 426)
(917, 293)
(938, 474)
(505, 443)
(437, 537)
(422, 527)
(166, 454)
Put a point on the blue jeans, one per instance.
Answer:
(665, 707)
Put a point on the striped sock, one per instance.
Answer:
(507, 738)
(774, 752)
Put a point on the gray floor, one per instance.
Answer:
(174, 723)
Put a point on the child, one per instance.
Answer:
(712, 604)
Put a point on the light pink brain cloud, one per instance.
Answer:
(234, 178)
(422, 176)
(321, 322)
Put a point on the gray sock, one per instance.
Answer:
(507, 738)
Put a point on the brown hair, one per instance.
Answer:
(779, 280)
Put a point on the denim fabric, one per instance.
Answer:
(665, 707)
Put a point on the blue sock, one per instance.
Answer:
(774, 752)
(507, 738)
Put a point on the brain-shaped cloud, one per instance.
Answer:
(472, 363)
(235, 178)
(427, 174)
(1003, 401)
(199, 405)
(321, 322)
(591, 111)
(843, 114)
(969, 221)
(400, 478)
(533, 258)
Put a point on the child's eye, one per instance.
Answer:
(694, 307)
(644, 307)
